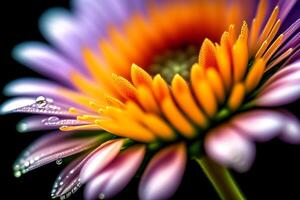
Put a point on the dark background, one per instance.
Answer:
(274, 175)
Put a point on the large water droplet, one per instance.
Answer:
(53, 119)
(41, 101)
(59, 161)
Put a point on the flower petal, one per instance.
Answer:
(261, 125)
(116, 175)
(101, 159)
(53, 147)
(39, 105)
(291, 130)
(38, 123)
(163, 174)
(228, 147)
(68, 180)
(280, 95)
(62, 29)
(44, 60)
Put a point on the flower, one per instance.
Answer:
(131, 84)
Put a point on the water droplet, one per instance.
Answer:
(17, 167)
(101, 196)
(52, 119)
(59, 161)
(41, 101)
(22, 127)
(26, 164)
(17, 174)
(61, 183)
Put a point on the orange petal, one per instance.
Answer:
(124, 87)
(186, 102)
(255, 74)
(140, 76)
(236, 97)
(176, 118)
(206, 97)
(147, 99)
(160, 88)
(207, 55)
(216, 84)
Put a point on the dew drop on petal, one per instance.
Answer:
(17, 174)
(59, 161)
(41, 101)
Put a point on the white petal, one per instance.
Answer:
(15, 103)
(229, 148)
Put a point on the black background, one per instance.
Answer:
(274, 175)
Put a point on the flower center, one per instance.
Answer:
(172, 62)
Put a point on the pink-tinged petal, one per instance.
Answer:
(39, 105)
(226, 146)
(163, 174)
(282, 74)
(261, 125)
(44, 60)
(101, 159)
(280, 95)
(291, 130)
(116, 175)
(68, 180)
(53, 147)
(38, 123)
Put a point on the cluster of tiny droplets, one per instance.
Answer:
(173, 62)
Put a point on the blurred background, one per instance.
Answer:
(274, 175)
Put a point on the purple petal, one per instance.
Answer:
(116, 175)
(101, 159)
(163, 174)
(64, 31)
(285, 8)
(261, 125)
(226, 146)
(291, 130)
(38, 123)
(39, 105)
(68, 180)
(44, 60)
(53, 147)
